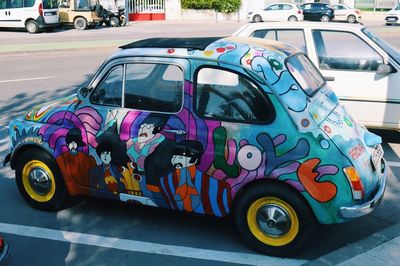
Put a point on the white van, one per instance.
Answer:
(30, 14)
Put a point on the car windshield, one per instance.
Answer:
(393, 53)
(305, 73)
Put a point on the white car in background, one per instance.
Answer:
(345, 13)
(362, 69)
(276, 12)
(393, 16)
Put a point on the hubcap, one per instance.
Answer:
(273, 220)
(40, 181)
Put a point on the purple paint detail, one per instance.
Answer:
(188, 87)
(279, 139)
(261, 168)
(219, 174)
(243, 142)
(291, 168)
(231, 151)
(126, 125)
(296, 184)
(326, 170)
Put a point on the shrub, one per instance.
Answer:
(225, 6)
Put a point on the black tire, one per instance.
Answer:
(351, 19)
(80, 23)
(114, 22)
(99, 10)
(123, 21)
(48, 193)
(32, 26)
(324, 18)
(282, 239)
(292, 18)
(257, 18)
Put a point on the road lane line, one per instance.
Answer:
(393, 164)
(18, 80)
(145, 247)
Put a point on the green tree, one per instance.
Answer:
(225, 6)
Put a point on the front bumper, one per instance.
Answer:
(392, 19)
(367, 207)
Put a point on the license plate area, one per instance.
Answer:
(376, 158)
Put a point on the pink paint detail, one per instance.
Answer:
(126, 125)
(231, 151)
(219, 174)
(243, 142)
(188, 88)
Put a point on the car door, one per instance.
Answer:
(271, 13)
(350, 65)
(307, 11)
(340, 12)
(141, 103)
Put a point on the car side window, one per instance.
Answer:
(273, 7)
(287, 7)
(224, 95)
(109, 92)
(292, 37)
(154, 87)
(306, 7)
(355, 55)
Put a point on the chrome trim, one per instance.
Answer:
(367, 207)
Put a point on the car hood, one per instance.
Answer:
(46, 112)
(393, 13)
(353, 140)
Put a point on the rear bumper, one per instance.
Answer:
(367, 207)
(44, 25)
(392, 20)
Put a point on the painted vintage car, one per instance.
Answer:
(213, 126)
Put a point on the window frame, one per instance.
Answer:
(275, 32)
(271, 117)
(104, 71)
(342, 31)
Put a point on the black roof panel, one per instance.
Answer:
(198, 43)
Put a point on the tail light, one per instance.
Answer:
(355, 182)
(1, 244)
(41, 9)
(299, 12)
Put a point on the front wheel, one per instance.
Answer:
(39, 180)
(325, 18)
(351, 19)
(273, 219)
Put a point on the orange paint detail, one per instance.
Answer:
(185, 192)
(322, 191)
(153, 188)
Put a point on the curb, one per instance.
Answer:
(354, 249)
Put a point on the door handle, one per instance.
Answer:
(329, 78)
(175, 131)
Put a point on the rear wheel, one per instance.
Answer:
(351, 19)
(80, 23)
(292, 18)
(123, 21)
(114, 22)
(32, 26)
(273, 219)
(257, 18)
(325, 18)
(39, 180)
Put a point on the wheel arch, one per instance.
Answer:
(269, 181)
(29, 19)
(21, 149)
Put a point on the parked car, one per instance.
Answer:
(4, 252)
(32, 15)
(276, 12)
(317, 11)
(212, 126)
(345, 13)
(80, 14)
(393, 16)
(362, 69)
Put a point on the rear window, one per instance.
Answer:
(50, 4)
(305, 73)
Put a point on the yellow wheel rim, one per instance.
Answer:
(273, 221)
(38, 181)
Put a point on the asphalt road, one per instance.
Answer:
(101, 232)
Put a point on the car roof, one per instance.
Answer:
(202, 48)
(299, 25)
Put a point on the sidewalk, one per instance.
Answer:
(382, 248)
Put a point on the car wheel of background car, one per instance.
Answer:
(123, 21)
(257, 18)
(273, 219)
(32, 26)
(292, 18)
(80, 23)
(325, 18)
(351, 19)
(39, 180)
(114, 22)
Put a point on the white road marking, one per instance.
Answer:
(145, 247)
(29, 79)
(393, 164)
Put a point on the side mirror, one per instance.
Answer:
(384, 69)
(82, 93)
